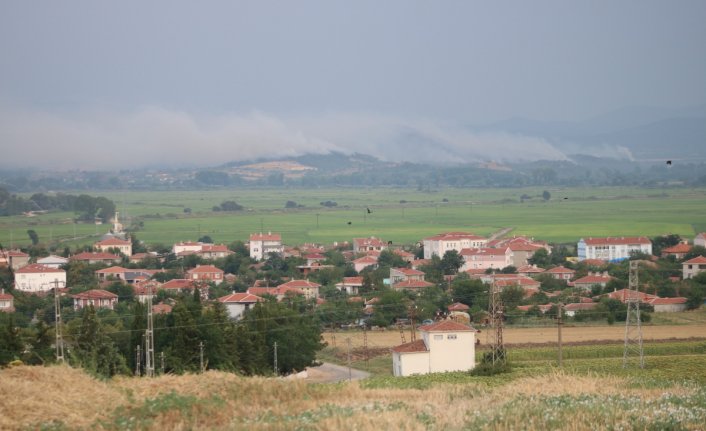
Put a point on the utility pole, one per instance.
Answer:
(404, 340)
(138, 358)
(350, 374)
(58, 324)
(201, 354)
(559, 324)
(161, 358)
(275, 366)
(633, 326)
(149, 336)
(495, 311)
(413, 330)
(365, 345)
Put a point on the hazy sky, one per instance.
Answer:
(234, 79)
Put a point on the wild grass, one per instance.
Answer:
(65, 398)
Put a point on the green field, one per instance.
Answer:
(571, 214)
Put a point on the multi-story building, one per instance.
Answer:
(363, 245)
(612, 249)
(35, 278)
(440, 244)
(261, 245)
(111, 244)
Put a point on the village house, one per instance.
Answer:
(114, 244)
(144, 289)
(161, 308)
(679, 251)
(405, 255)
(205, 273)
(96, 297)
(364, 245)
(203, 250)
(185, 285)
(100, 257)
(305, 270)
(280, 292)
(561, 273)
(439, 244)
(612, 249)
(261, 245)
(692, 267)
(364, 262)
(350, 285)
(530, 270)
(53, 261)
(571, 309)
(700, 240)
(413, 285)
(668, 305)
(309, 288)
(623, 295)
(36, 278)
(238, 303)
(15, 259)
(592, 279)
(404, 274)
(486, 258)
(126, 275)
(7, 302)
(444, 346)
(522, 248)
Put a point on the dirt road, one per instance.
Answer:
(331, 373)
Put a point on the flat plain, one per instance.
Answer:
(401, 215)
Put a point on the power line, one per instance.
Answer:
(633, 326)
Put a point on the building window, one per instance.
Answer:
(438, 337)
(451, 337)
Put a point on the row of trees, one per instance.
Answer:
(105, 342)
(86, 207)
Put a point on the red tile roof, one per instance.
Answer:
(95, 256)
(624, 294)
(299, 284)
(314, 256)
(113, 270)
(458, 306)
(409, 271)
(162, 308)
(450, 236)
(580, 306)
(113, 241)
(179, 283)
(560, 270)
(95, 294)
(530, 269)
(367, 260)
(412, 284)
(36, 268)
(241, 298)
(680, 248)
(666, 301)
(417, 346)
(353, 281)
(275, 291)
(593, 279)
(697, 260)
(205, 269)
(369, 242)
(265, 237)
(6, 296)
(622, 240)
(446, 326)
(483, 251)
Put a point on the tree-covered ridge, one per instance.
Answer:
(86, 207)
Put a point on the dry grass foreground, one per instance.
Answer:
(60, 397)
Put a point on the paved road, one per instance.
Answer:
(332, 373)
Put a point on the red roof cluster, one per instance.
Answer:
(35, 268)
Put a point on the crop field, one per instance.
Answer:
(403, 216)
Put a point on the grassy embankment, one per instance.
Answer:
(584, 212)
(588, 394)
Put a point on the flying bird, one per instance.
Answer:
(350, 222)
(369, 212)
(669, 163)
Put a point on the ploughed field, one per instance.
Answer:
(403, 216)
